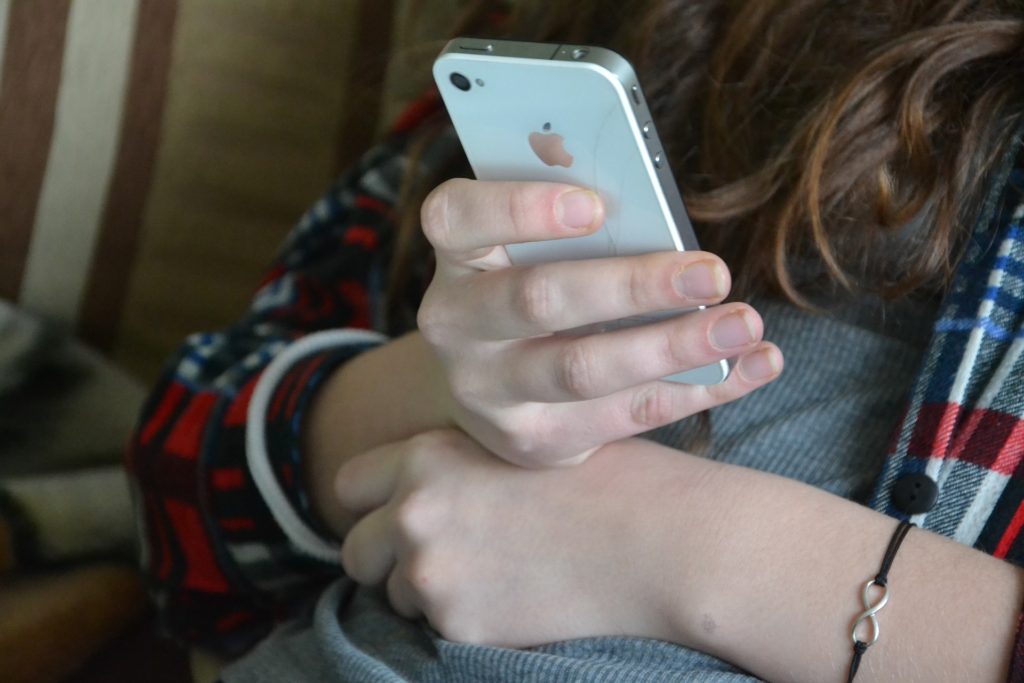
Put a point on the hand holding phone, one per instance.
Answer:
(539, 399)
(536, 397)
(571, 114)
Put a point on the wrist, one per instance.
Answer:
(695, 582)
(383, 395)
(781, 587)
(669, 521)
(782, 570)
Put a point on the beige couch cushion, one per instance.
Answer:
(153, 153)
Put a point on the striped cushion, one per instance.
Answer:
(153, 153)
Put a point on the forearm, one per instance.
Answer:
(381, 396)
(782, 582)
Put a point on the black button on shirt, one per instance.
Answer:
(914, 493)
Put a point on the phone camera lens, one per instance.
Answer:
(460, 82)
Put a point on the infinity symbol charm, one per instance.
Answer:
(870, 611)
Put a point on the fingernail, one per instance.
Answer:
(759, 365)
(732, 331)
(576, 208)
(701, 280)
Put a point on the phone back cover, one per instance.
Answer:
(593, 114)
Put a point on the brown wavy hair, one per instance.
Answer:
(816, 143)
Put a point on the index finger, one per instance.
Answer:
(463, 215)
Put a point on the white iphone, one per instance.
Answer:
(570, 114)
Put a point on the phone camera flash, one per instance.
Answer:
(480, 82)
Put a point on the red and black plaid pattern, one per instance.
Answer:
(964, 425)
(220, 569)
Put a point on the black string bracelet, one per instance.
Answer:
(881, 579)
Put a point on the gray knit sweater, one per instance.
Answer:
(826, 421)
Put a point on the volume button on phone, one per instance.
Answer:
(646, 130)
(659, 160)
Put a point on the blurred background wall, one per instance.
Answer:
(153, 155)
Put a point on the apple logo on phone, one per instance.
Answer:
(550, 148)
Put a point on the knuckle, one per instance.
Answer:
(425, 447)
(418, 461)
(576, 370)
(676, 349)
(350, 562)
(638, 289)
(426, 452)
(454, 626)
(434, 214)
(465, 386)
(423, 573)
(430, 320)
(518, 445)
(420, 573)
(524, 451)
(652, 407)
(437, 442)
(525, 444)
(535, 297)
(519, 208)
(414, 514)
